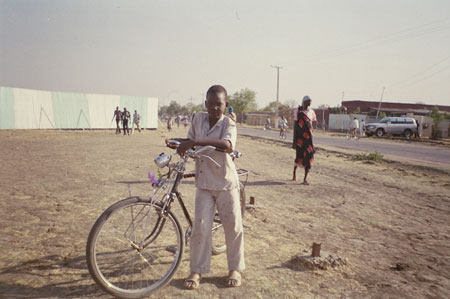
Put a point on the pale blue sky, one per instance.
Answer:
(176, 49)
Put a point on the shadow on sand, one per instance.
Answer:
(71, 278)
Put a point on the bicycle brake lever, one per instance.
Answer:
(210, 159)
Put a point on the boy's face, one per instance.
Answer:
(215, 105)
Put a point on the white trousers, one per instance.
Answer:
(228, 206)
(137, 125)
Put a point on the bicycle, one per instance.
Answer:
(283, 132)
(136, 245)
(352, 134)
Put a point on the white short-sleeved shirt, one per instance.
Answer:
(208, 175)
(354, 124)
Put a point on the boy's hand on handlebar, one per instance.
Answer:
(184, 146)
(168, 144)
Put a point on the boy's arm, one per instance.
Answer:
(226, 143)
(219, 143)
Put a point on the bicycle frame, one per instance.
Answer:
(179, 167)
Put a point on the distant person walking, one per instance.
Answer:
(169, 123)
(178, 120)
(362, 128)
(267, 124)
(118, 116)
(417, 133)
(354, 127)
(125, 118)
(303, 138)
(136, 121)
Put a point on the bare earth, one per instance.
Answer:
(390, 221)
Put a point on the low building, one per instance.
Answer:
(394, 109)
(259, 118)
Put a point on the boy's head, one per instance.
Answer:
(216, 101)
(216, 89)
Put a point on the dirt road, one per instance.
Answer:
(390, 221)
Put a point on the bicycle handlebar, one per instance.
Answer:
(174, 143)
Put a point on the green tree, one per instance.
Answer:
(382, 115)
(272, 107)
(197, 108)
(357, 111)
(337, 110)
(174, 108)
(283, 109)
(243, 101)
(291, 104)
(437, 118)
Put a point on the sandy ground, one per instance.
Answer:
(54, 184)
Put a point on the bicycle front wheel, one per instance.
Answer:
(133, 250)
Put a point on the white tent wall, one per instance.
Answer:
(152, 113)
(33, 109)
(71, 110)
(101, 110)
(6, 108)
(36, 109)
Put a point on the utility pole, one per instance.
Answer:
(381, 99)
(278, 92)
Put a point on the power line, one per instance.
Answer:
(418, 76)
(408, 33)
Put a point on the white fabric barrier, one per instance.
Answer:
(37, 109)
(33, 109)
(152, 113)
(101, 110)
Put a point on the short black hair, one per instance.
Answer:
(216, 89)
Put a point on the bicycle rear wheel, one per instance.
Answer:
(218, 235)
(132, 250)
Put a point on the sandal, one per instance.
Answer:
(234, 279)
(192, 282)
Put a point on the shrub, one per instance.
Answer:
(374, 157)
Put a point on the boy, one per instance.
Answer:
(216, 186)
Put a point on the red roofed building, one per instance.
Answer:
(392, 108)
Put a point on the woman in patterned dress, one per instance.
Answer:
(303, 142)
